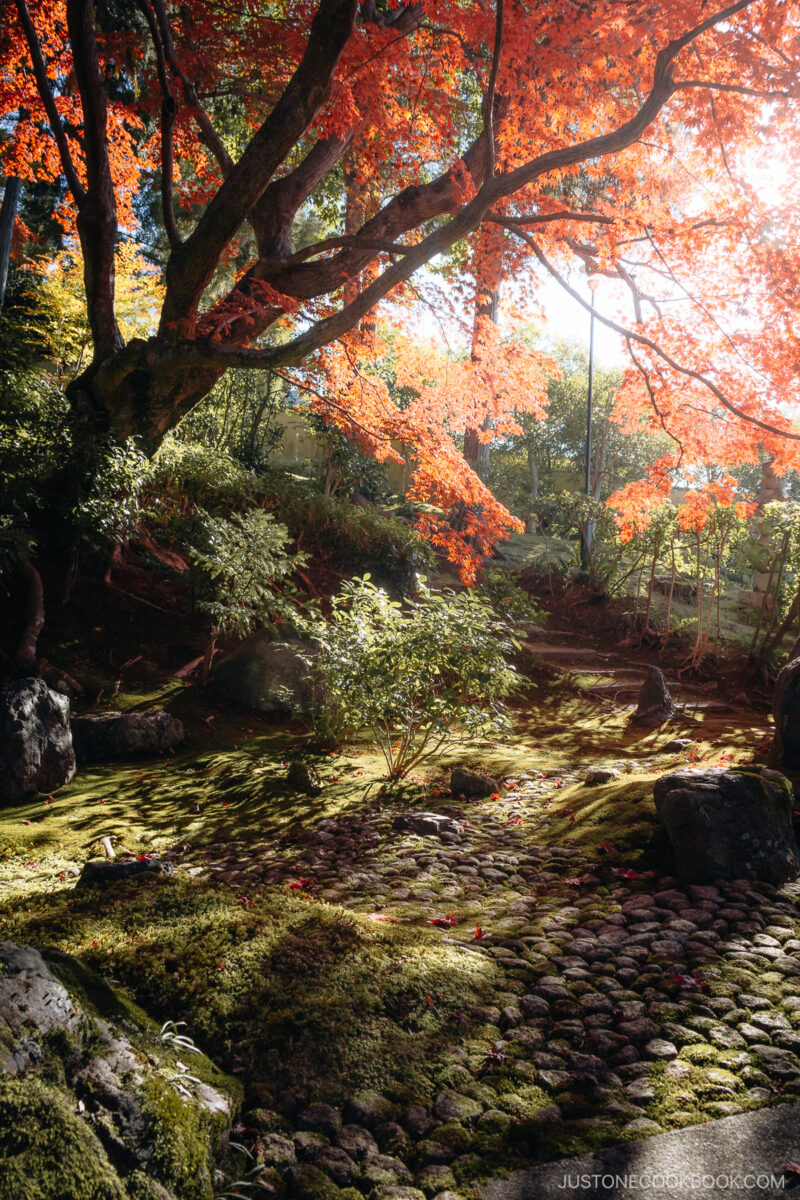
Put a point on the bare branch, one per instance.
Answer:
(689, 372)
(762, 94)
(207, 130)
(562, 214)
(43, 85)
(168, 114)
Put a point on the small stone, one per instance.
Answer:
(396, 1193)
(320, 1118)
(510, 1017)
(599, 775)
(309, 1144)
(417, 1120)
(452, 1106)
(338, 1165)
(677, 746)
(641, 1091)
(309, 1183)
(472, 785)
(301, 778)
(435, 1179)
(426, 824)
(642, 1125)
(370, 1109)
(356, 1142)
(391, 1137)
(381, 1170)
(660, 1050)
(104, 870)
(277, 1151)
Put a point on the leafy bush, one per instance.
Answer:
(416, 674)
(188, 474)
(237, 570)
(508, 599)
(356, 540)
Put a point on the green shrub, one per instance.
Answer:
(507, 598)
(416, 674)
(237, 567)
(355, 540)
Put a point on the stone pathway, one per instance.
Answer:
(632, 1005)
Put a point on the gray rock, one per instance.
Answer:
(36, 752)
(677, 746)
(356, 1142)
(103, 870)
(471, 784)
(729, 824)
(104, 1065)
(338, 1165)
(597, 775)
(266, 675)
(301, 778)
(435, 1179)
(370, 1109)
(320, 1118)
(426, 824)
(785, 751)
(396, 1192)
(640, 1091)
(452, 1106)
(660, 1050)
(382, 1170)
(277, 1151)
(104, 737)
(307, 1181)
(32, 1003)
(655, 703)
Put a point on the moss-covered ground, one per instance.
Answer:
(306, 996)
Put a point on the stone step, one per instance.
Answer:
(735, 1156)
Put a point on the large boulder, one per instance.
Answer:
(105, 737)
(266, 675)
(655, 703)
(725, 824)
(36, 753)
(94, 1101)
(785, 752)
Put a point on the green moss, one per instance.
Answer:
(143, 1187)
(699, 1053)
(183, 1137)
(46, 1151)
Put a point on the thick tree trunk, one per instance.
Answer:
(8, 213)
(34, 614)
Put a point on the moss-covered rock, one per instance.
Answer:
(95, 1103)
(47, 1151)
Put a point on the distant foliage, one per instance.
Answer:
(416, 675)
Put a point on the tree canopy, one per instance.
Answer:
(654, 144)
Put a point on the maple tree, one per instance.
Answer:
(633, 138)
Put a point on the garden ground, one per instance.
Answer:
(534, 985)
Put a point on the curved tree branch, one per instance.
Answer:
(630, 334)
